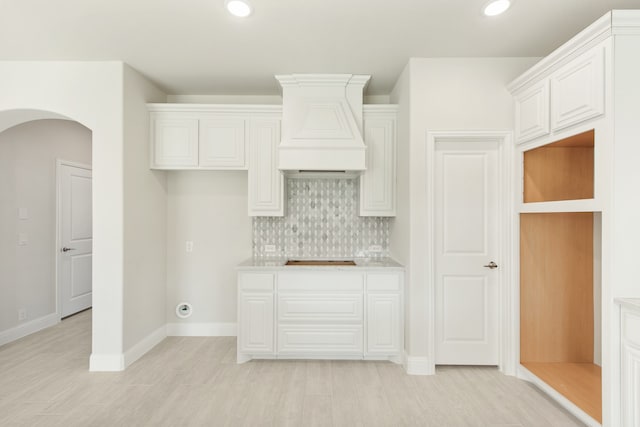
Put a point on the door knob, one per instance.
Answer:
(491, 265)
(65, 249)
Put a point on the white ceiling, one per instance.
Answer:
(195, 47)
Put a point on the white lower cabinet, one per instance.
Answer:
(630, 368)
(320, 315)
(383, 320)
(256, 310)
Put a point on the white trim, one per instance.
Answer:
(418, 366)
(508, 296)
(373, 110)
(28, 328)
(525, 374)
(106, 362)
(56, 249)
(201, 329)
(144, 345)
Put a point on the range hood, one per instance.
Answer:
(322, 122)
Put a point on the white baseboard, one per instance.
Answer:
(418, 366)
(146, 344)
(106, 362)
(201, 329)
(525, 374)
(28, 328)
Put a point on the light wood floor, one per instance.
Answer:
(44, 381)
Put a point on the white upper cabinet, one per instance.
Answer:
(266, 183)
(203, 136)
(175, 143)
(572, 94)
(377, 183)
(222, 143)
(532, 112)
(577, 90)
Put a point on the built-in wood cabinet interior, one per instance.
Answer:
(563, 170)
(557, 304)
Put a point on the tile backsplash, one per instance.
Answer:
(321, 221)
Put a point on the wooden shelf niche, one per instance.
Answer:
(563, 170)
(557, 305)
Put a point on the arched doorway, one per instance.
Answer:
(33, 146)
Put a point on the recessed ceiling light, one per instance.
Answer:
(240, 8)
(496, 7)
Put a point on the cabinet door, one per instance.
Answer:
(255, 330)
(383, 323)
(532, 112)
(222, 143)
(577, 90)
(377, 183)
(174, 143)
(630, 368)
(266, 183)
(630, 376)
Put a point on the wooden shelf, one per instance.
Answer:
(585, 205)
(581, 383)
(563, 170)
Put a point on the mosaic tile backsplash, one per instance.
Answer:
(321, 222)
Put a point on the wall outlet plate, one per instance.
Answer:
(375, 248)
(22, 314)
(269, 248)
(189, 246)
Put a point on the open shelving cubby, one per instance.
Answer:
(563, 170)
(560, 273)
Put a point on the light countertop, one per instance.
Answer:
(632, 303)
(279, 264)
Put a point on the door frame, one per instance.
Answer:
(508, 304)
(59, 164)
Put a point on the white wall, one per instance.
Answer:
(90, 93)
(145, 201)
(400, 233)
(210, 209)
(28, 154)
(446, 94)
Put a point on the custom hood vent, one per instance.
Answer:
(322, 122)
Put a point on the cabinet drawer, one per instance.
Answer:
(324, 308)
(383, 282)
(320, 339)
(320, 281)
(261, 282)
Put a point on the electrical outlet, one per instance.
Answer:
(23, 213)
(269, 248)
(375, 248)
(23, 239)
(189, 246)
(22, 314)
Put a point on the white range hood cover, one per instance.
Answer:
(322, 122)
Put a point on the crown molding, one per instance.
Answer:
(590, 36)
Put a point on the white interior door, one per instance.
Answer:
(466, 242)
(75, 251)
